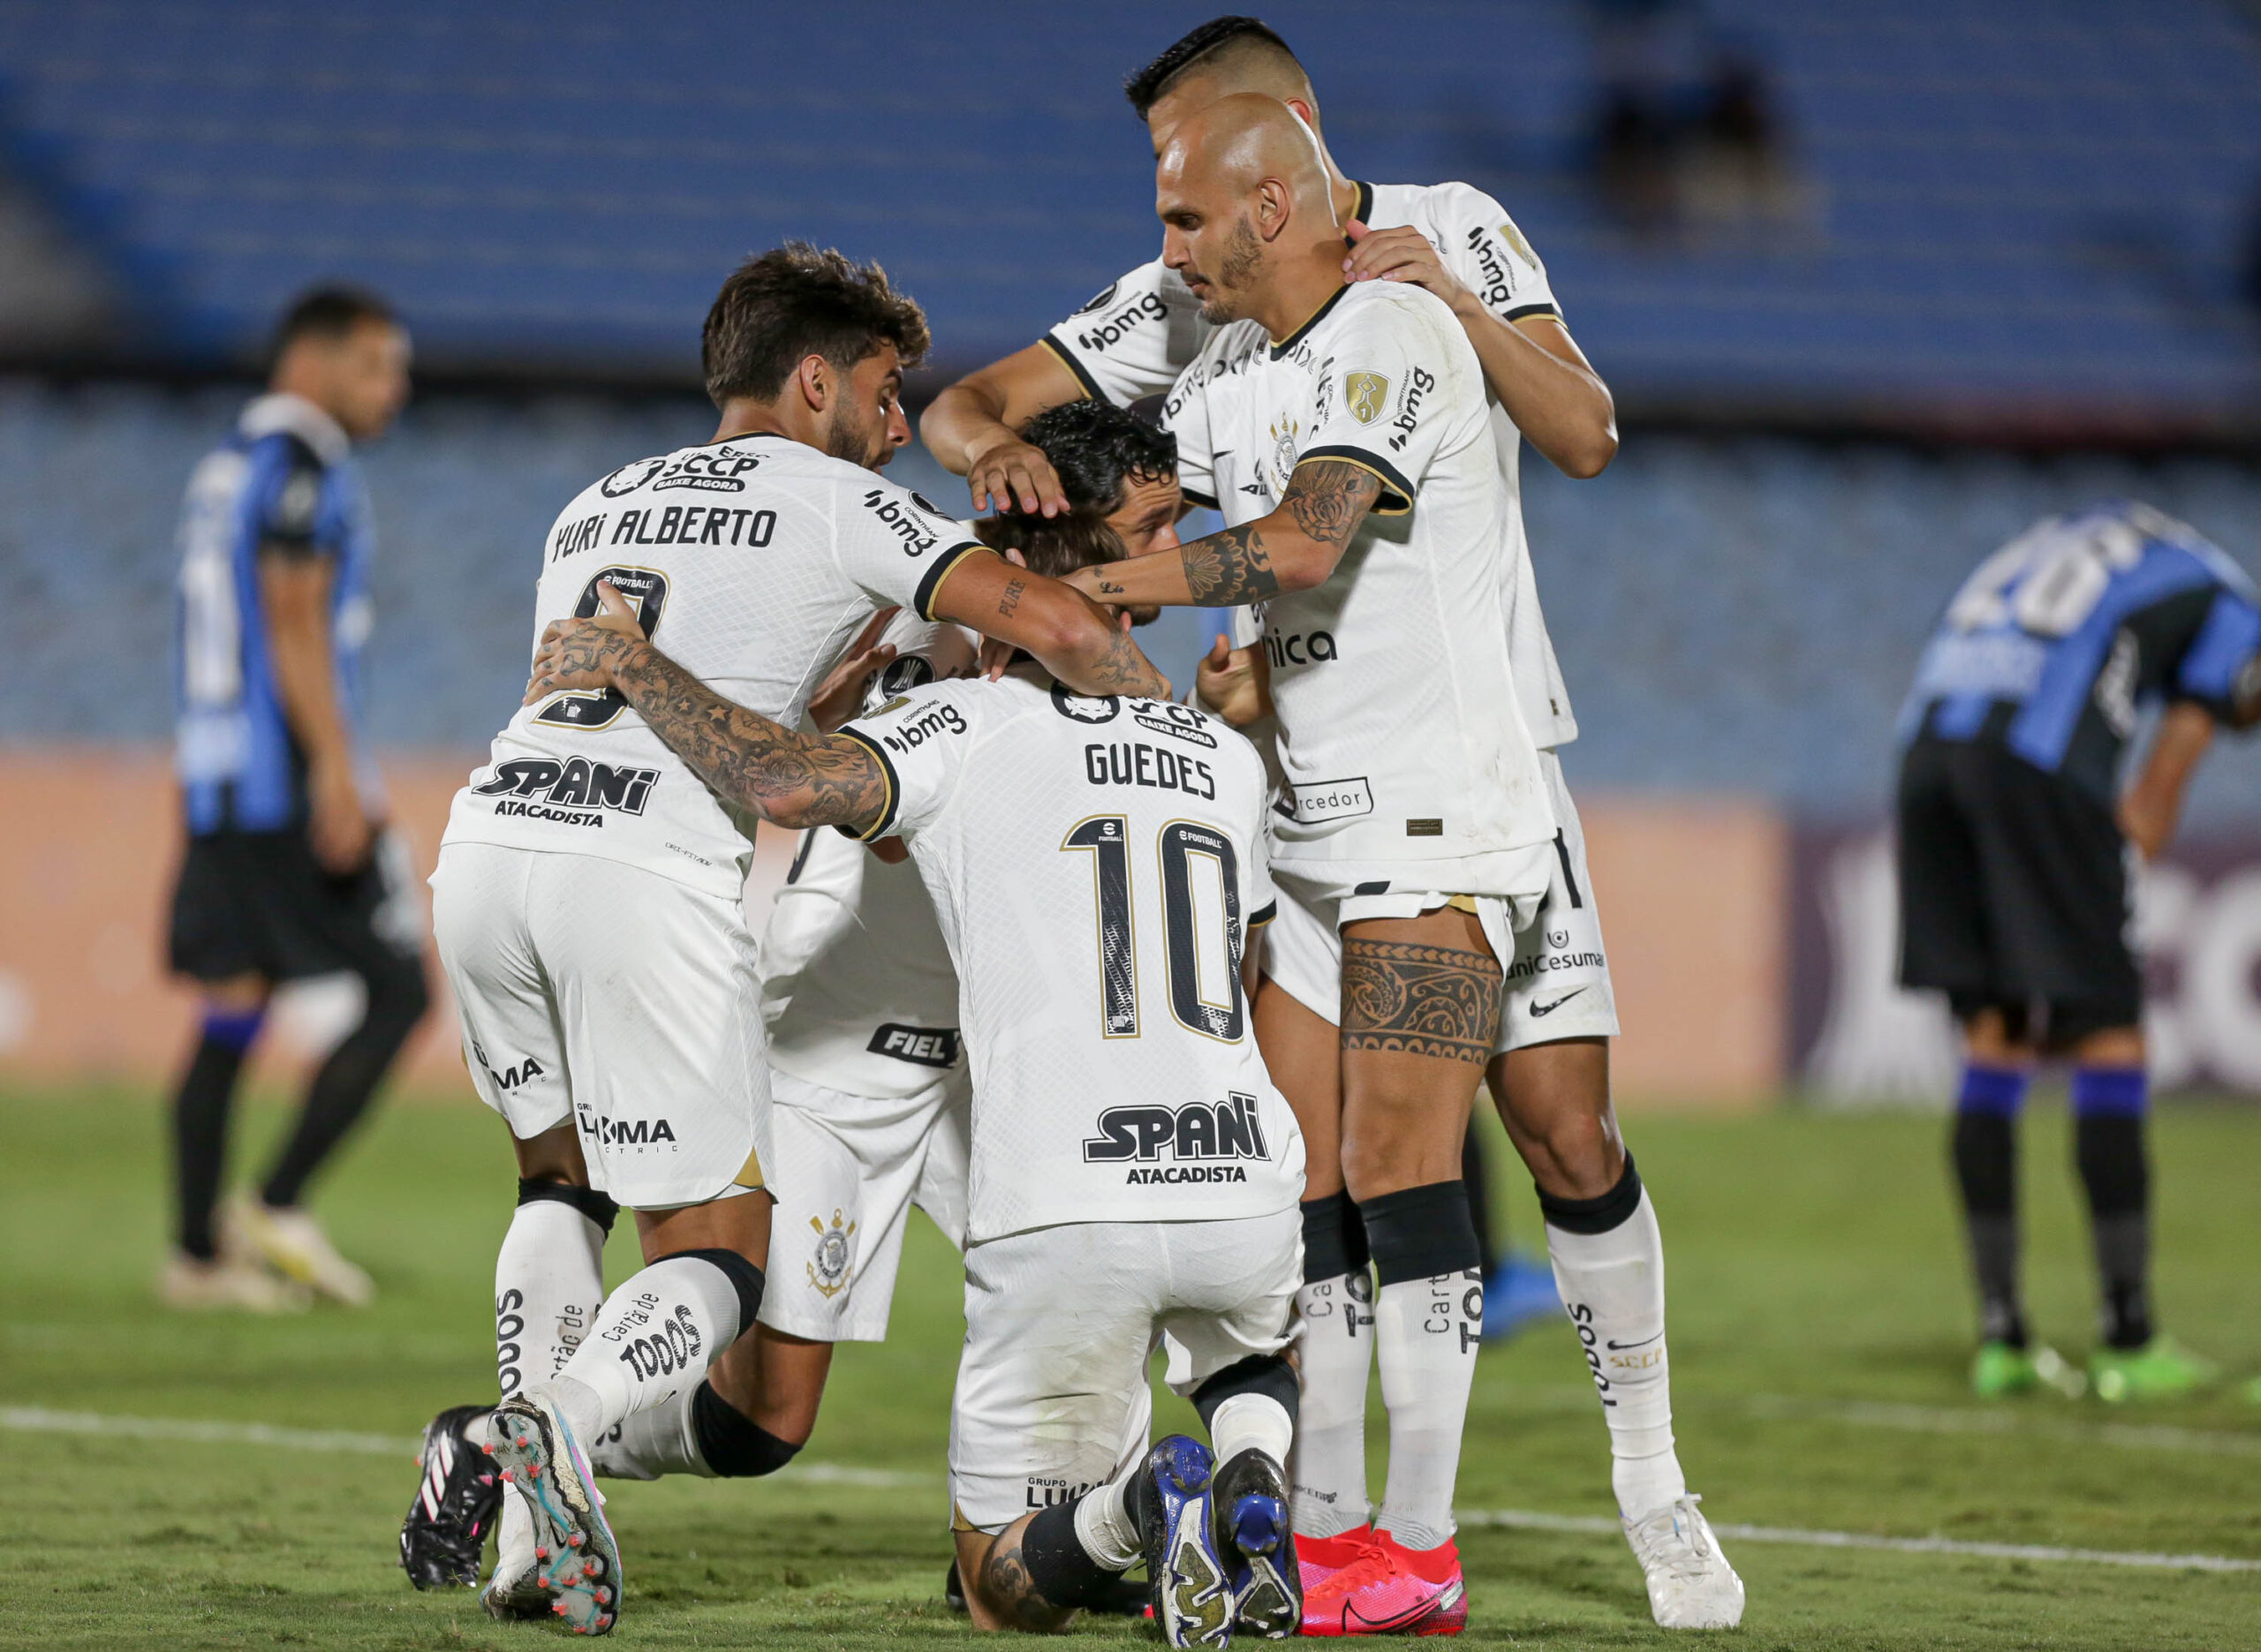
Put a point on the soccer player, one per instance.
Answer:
(1548, 1067)
(587, 901)
(288, 872)
(868, 1075)
(1096, 864)
(2014, 880)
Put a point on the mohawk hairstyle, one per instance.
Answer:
(796, 301)
(1097, 448)
(1146, 87)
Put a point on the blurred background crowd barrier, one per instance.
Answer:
(1874, 287)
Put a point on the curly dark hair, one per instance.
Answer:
(1097, 447)
(796, 301)
(1054, 547)
(1146, 87)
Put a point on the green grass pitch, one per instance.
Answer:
(1818, 1320)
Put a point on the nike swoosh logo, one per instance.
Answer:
(1537, 1010)
(1383, 1626)
(1620, 1348)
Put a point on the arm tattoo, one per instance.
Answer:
(1229, 567)
(792, 779)
(1412, 1000)
(1123, 669)
(1011, 599)
(1329, 498)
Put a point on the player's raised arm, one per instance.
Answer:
(1293, 549)
(1079, 642)
(973, 428)
(790, 778)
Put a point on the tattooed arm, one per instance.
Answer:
(794, 780)
(1079, 642)
(1293, 549)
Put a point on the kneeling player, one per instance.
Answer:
(1054, 832)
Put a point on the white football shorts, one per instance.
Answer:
(1052, 1396)
(1557, 975)
(846, 1172)
(591, 989)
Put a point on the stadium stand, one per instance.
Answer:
(2013, 216)
(1738, 613)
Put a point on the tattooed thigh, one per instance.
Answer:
(1410, 998)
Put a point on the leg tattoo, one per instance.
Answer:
(1416, 1000)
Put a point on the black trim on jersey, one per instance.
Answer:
(1068, 359)
(1263, 914)
(1394, 485)
(1524, 311)
(1195, 496)
(1280, 349)
(748, 435)
(932, 581)
(1365, 214)
(879, 827)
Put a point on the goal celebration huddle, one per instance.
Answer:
(1168, 1002)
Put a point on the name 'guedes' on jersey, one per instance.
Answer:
(1096, 865)
(1135, 338)
(1400, 739)
(752, 562)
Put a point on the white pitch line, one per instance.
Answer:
(1947, 1420)
(38, 1420)
(1532, 1521)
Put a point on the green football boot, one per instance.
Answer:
(2162, 1369)
(1999, 1372)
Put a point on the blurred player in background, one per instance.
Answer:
(288, 873)
(2015, 879)
(1548, 1067)
(1096, 866)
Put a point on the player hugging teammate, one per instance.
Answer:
(1349, 369)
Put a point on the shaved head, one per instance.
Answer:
(1243, 190)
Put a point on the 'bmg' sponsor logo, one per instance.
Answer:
(1201, 1139)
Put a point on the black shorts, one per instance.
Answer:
(259, 903)
(2013, 890)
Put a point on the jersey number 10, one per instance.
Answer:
(1106, 839)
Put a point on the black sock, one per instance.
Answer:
(1985, 1170)
(735, 1448)
(1334, 1239)
(341, 1089)
(2116, 1174)
(1490, 1242)
(1420, 1233)
(200, 1108)
(1059, 1569)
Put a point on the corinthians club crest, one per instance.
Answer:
(1366, 395)
(829, 1268)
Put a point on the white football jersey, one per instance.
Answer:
(1096, 864)
(1135, 338)
(1400, 735)
(856, 983)
(752, 562)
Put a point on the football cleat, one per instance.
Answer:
(1320, 1558)
(226, 1285)
(457, 1499)
(1169, 1503)
(578, 1562)
(1998, 1370)
(1515, 1292)
(954, 1590)
(1247, 1497)
(294, 1245)
(1391, 1589)
(514, 1589)
(1691, 1586)
(2162, 1369)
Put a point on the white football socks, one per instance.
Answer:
(652, 1341)
(1251, 1422)
(662, 1440)
(1334, 1356)
(1104, 1526)
(549, 1281)
(1612, 1288)
(1427, 1332)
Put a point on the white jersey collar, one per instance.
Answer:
(280, 411)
